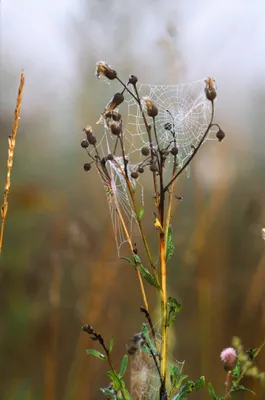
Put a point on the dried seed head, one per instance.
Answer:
(210, 89)
(168, 126)
(84, 143)
(110, 157)
(87, 166)
(145, 151)
(116, 116)
(116, 100)
(134, 175)
(88, 131)
(220, 135)
(103, 69)
(153, 167)
(133, 79)
(115, 128)
(152, 110)
(141, 170)
(92, 139)
(174, 151)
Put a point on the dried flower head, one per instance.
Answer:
(103, 69)
(152, 110)
(220, 135)
(229, 358)
(210, 89)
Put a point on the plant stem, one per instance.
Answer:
(11, 150)
(163, 269)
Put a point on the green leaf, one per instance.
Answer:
(140, 214)
(127, 394)
(108, 393)
(115, 379)
(145, 273)
(127, 259)
(189, 387)
(212, 392)
(96, 353)
(240, 388)
(237, 370)
(173, 307)
(170, 245)
(111, 341)
(124, 363)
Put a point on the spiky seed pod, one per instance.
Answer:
(174, 151)
(153, 167)
(84, 143)
(152, 110)
(103, 69)
(115, 128)
(133, 80)
(110, 157)
(141, 170)
(220, 135)
(116, 116)
(145, 151)
(134, 175)
(168, 126)
(87, 166)
(210, 90)
(92, 139)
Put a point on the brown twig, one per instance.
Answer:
(11, 150)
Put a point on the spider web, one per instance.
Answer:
(183, 106)
(145, 380)
(112, 175)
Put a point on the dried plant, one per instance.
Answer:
(11, 151)
(165, 128)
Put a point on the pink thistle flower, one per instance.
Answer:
(228, 357)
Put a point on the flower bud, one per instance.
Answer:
(134, 175)
(84, 143)
(116, 116)
(152, 110)
(210, 90)
(103, 69)
(220, 135)
(87, 166)
(141, 170)
(110, 157)
(174, 151)
(92, 139)
(115, 128)
(153, 167)
(145, 151)
(133, 79)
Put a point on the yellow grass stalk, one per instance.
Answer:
(11, 150)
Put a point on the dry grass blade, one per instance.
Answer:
(11, 149)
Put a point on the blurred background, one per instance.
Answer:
(59, 268)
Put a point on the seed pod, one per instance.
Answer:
(110, 157)
(92, 139)
(133, 79)
(103, 69)
(220, 135)
(141, 170)
(134, 175)
(87, 166)
(210, 90)
(115, 128)
(84, 143)
(153, 167)
(152, 110)
(145, 151)
(174, 151)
